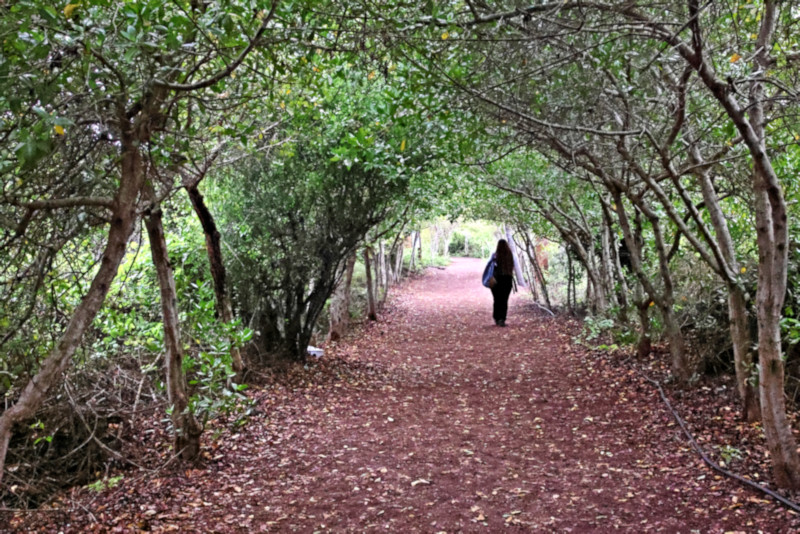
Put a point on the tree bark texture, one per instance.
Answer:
(371, 308)
(517, 266)
(217, 267)
(398, 261)
(187, 429)
(340, 303)
(771, 235)
(381, 271)
(663, 301)
(677, 345)
(772, 238)
(413, 258)
(123, 221)
(538, 270)
(737, 308)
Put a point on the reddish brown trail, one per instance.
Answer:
(435, 420)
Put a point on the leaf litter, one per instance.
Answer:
(435, 420)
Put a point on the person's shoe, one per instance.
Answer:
(496, 322)
(501, 323)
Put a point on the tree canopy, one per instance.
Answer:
(657, 142)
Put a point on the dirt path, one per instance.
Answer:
(435, 420)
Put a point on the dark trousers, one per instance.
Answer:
(500, 292)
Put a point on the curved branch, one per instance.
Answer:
(62, 203)
(208, 82)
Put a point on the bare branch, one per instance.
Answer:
(63, 203)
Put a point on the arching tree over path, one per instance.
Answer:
(747, 73)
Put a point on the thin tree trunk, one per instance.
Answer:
(680, 367)
(570, 280)
(771, 237)
(619, 273)
(413, 258)
(371, 311)
(513, 247)
(398, 266)
(644, 345)
(584, 258)
(187, 429)
(743, 362)
(398, 247)
(677, 345)
(530, 274)
(387, 275)
(737, 308)
(340, 303)
(122, 224)
(380, 270)
(537, 268)
(391, 258)
(607, 268)
(217, 267)
(589, 294)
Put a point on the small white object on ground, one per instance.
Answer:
(314, 351)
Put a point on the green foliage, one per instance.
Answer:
(130, 320)
(474, 239)
(291, 223)
(593, 328)
(105, 483)
(728, 453)
(38, 428)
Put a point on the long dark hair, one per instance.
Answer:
(504, 257)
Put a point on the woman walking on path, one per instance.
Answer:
(503, 273)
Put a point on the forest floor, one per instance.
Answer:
(435, 420)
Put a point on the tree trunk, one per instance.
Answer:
(772, 240)
(217, 267)
(644, 344)
(419, 247)
(391, 260)
(570, 281)
(663, 300)
(619, 273)
(538, 270)
(513, 247)
(187, 429)
(340, 304)
(123, 220)
(380, 270)
(588, 296)
(585, 258)
(677, 345)
(398, 265)
(607, 268)
(737, 308)
(371, 311)
(742, 354)
(769, 299)
(412, 259)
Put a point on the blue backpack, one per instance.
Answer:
(488, 273)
